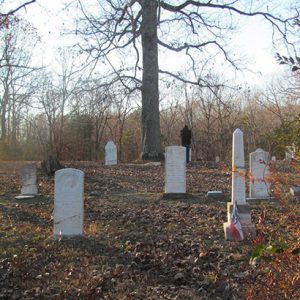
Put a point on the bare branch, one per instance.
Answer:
(276, 22)
(200, 82)
(13, 11)
(185, 46)
(178, 8)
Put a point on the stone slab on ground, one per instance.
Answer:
(175, 196)
(215, 194)
(272, 200)
(22, 197)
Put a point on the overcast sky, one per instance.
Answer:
(254, 40)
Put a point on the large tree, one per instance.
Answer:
(138, 28)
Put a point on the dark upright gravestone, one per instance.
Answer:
(186, 137)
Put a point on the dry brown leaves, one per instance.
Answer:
(136, 245)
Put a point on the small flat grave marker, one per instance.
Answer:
(215, 194)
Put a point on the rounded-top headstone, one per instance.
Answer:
(260, 171)
(110, 153)
(110, 145)
(68, 202)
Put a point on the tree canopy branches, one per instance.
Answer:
(14, 10)
(202, 30)
(188, 26)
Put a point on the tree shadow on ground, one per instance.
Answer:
(20, 215)
(95, 246)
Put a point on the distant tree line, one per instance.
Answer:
(69, 112)
(77, 123)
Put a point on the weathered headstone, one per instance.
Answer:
(110, 154)
(29, 180)
(259, 175)
(217, 159)
(238, 192)
(175, 170)
(68, 202)
(273, 158)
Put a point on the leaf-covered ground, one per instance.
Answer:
(136, 244)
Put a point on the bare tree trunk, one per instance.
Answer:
(150, 96)
(99, 125)
(3, 116)
(51, 164)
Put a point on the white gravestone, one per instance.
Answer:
(238, 192)
(110, 154)
(259, 174)
(175, 168)
(29, 180)
(273, 158)
(68, 202)
(217, 159)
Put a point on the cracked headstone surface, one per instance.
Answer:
(111, 154)
(175, 170)
(259, 175)
(68, 202)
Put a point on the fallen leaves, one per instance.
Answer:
(136, 245)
